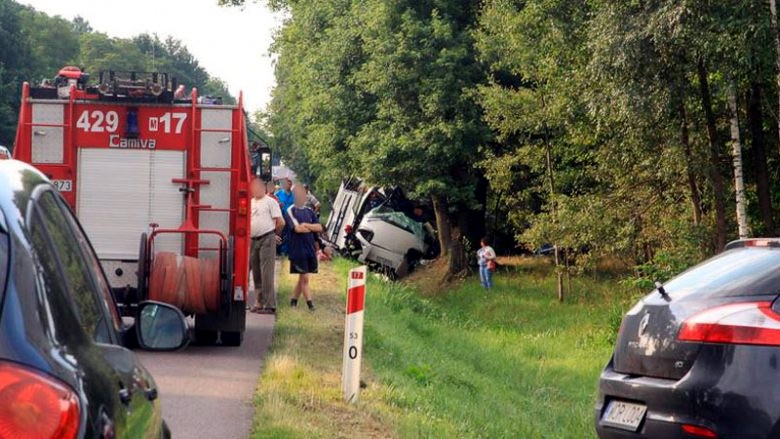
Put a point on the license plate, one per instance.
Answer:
(63, 185)
(624, 415)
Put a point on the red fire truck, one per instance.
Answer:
(159, 181)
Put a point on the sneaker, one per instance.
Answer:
(311, 306)
(293, 303)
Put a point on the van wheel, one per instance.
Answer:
(413, 257)
(389, 272)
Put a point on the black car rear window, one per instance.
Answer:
(738, 272)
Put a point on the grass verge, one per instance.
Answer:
(462, 363)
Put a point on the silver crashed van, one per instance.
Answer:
(381, 228)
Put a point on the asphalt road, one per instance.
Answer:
(207, 391)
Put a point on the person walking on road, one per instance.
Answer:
(267, 221)
(302, 227)
(486, 257)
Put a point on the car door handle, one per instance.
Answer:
(126, 396)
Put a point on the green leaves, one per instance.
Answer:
(381, 91)
(35, 46)
(436, 95)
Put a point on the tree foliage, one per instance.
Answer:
(383, 91)
(601, 126)
(34, 46)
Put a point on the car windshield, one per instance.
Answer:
(738, 272)
(398, 219)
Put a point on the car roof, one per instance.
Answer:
(754, 242)
(18, 180)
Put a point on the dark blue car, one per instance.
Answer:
(65, 370)
(699, 357)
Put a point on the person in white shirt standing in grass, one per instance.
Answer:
(486, 257)
(267, 222)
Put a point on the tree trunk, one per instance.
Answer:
(758, 149)
(773, 17)
(553, 212)
(477, 217)
(736, 153)
(716, 179)
(457, 254)
(472, 221)
(443, 226)
(449, 239)
(685, 141)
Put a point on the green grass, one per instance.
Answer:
(462, 363)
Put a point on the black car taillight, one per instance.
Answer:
(36, 406)
(753, 323)
(698, 431)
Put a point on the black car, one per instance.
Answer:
(699, 357)
(65, 371)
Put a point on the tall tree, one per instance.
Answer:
(381, 90)
(713, 140)
(426, 129)
(776, 34)
(34, 46)
(736, 153)
(14, 65)
(755, 114)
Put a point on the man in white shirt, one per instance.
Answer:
(267, 222)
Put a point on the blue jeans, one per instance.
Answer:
(485, 276)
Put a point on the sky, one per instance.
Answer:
(231, 43)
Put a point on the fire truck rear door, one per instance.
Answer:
(122, 191)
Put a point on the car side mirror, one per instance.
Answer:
(160, 327)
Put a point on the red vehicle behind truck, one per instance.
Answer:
(158, 180)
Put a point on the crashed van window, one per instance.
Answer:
(398, 219)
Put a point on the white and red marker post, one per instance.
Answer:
(353, 333)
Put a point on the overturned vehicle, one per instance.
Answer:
(381, 228)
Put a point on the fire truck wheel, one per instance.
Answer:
(232, 338)
(143, 269)
(205, 338)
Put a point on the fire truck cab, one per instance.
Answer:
(160, 183)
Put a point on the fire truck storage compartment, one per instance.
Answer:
(47, 133)
(114, 203)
